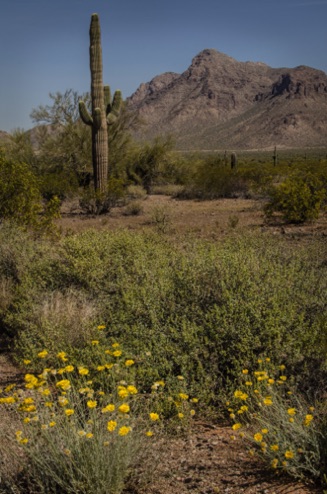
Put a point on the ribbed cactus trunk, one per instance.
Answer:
(97, 120)
(99, 128)
(105, 109)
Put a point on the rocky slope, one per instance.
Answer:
(220, 103)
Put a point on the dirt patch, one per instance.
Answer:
(209, 462)
(205, 219)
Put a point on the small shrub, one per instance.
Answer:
(97, 202)
(136, 192)
(161, 218)
(299, 198)
(276, 423)
(134, 208)
(86, 428)
(233, 221)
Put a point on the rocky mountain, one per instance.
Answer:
(219, 103)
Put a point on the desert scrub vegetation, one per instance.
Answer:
(87, 428)
(277, 424)
(185, 306)
(21, 200)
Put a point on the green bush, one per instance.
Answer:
(97, 202)
(21, 200)
(212, 179)
(187, 308)
(299, 198)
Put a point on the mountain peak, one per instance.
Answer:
(219, 102)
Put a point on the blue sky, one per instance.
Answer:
(44, 44)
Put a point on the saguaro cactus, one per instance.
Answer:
(104, 111)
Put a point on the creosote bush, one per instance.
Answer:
(299, 198)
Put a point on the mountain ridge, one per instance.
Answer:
(219, 102)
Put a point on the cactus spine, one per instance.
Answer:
(104, 111)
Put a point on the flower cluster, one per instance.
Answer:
(273, 420)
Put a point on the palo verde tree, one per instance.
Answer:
(104, 109)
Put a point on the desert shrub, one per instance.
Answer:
(299, 198)
(61, 184)
(133, 208)
(20, 197)
(21, 200)
(212, 179)
(277, 423)
(97, 202)
(135, 192)
(187, 307)
(85, 428)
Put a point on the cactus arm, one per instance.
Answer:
(114, 107)
(97, 118)
(107, 99)
(84, 114)
(116, 102)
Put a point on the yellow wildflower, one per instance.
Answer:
(52, 423)
(183, 396)
(89, 435)
(123, 431)
(264, 431)
(111, 425)
(101, 327)
(95, 342)
(27, 361)
(64, 384)
(124, 408)
(149, 433)
(101, 368)
(245, 371)
(83, 371)
(154, 416)
(257, 437)
(43, 354)
(69, 412)
(307, 420)
(129, 362)
(291, 411)
(108, 408)
(192, 413)
(283, 378)
(132, 389)
(69, 368)
(117, 353)
(274, 463)
(180, 415)
(91, 404)
(274, 447)
(122, 392)
(289, 454)
(237, 426)
(62, 356)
